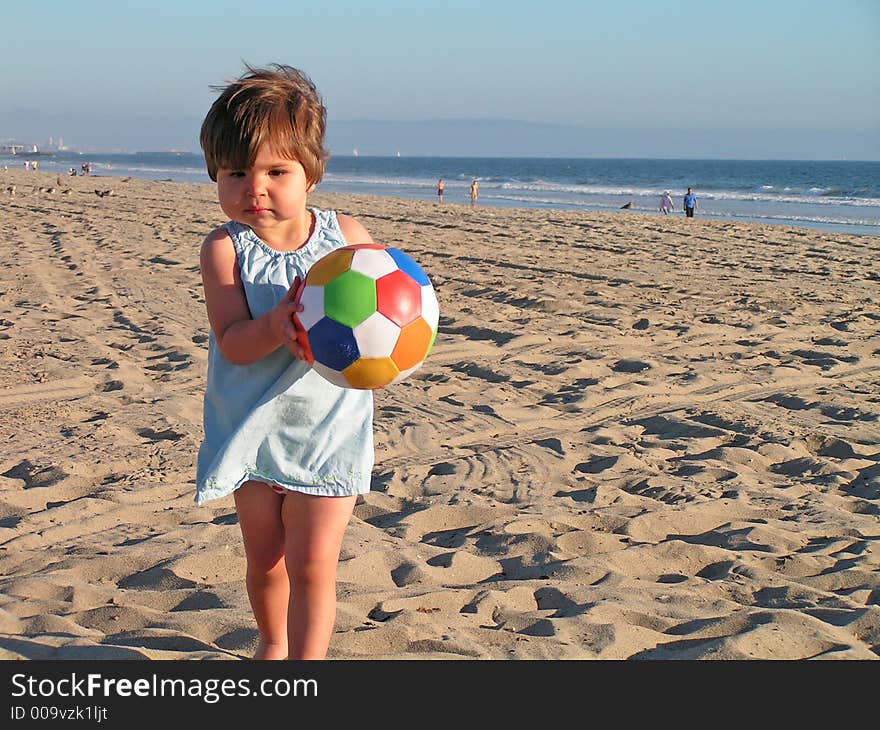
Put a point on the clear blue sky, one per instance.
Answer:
(751, 78)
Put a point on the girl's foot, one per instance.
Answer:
(271, 651)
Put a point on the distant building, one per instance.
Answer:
(10, 147)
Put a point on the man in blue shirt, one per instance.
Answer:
(690, 202)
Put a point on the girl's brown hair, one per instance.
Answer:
(278, 106)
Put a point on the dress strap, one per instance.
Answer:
(238, 233)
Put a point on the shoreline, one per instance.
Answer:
(486, 201)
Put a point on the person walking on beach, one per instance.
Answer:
(293, 449)
(440, 188)
(666, 204)
(690, 203)
(475, 191)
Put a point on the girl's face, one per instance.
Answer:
(270, 197)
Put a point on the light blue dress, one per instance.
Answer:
(276, 420)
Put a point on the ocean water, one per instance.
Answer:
(842, 196)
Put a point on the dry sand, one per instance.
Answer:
(637, 437)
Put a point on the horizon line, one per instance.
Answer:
(180, 151)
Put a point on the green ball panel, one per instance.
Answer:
(350, 298)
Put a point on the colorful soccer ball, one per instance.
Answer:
(369, 316)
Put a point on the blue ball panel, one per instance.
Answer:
(407, 265)
(333, 344)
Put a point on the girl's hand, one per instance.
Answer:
(283, 325)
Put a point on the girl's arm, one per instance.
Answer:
(353, 231)
(241, 339)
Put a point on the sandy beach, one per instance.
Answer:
(637, 437)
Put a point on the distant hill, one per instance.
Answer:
(466, 138)
(508, 138)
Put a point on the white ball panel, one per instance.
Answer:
(407, 373)
(430, 308)
(334, 376)
(376, 336)
(312, 300)
(372, 262)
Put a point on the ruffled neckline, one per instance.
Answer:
(312, 239)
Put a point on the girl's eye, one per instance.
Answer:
(277, 172)
(236, 173)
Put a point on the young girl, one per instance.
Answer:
(294, 450)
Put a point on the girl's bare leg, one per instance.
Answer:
(262, 529)
(314, 528)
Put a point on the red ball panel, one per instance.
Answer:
(399, 298)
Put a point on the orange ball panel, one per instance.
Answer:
(329, 267)
(413, 344)
(368, 373)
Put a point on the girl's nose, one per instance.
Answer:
(255, 185)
